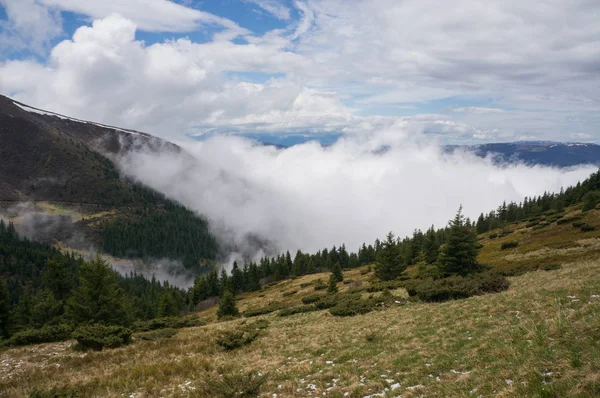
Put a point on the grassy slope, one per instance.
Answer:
(539, 337)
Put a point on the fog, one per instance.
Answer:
(308, 197)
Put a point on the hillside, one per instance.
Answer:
(67, 170)
(539, 338)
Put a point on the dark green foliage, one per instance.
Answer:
(305, 284)
(332, 286)
(352, 307)
(591, 200)
(98, 299)
(169, 323)
(337, 273)
(170, 232)
(232, 339)
(457, 287)
(532, 223)
(371, 337)
(46, 334)
(297, 310)
(459, 254)
(587, 228)
(4, 310)
(550, 267)
(493, 236)
(327, 302)
(167, 305)
(271, 307)
(290, 293)
(319, 285)
(227, 306)
(509, 245)
(567, 220)
(312, 298)
(157, 334)
(234, 384)
(387, 266)
(578, 224)
(96, 337)
(56, 392)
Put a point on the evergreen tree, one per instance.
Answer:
(5, 324)
(58, 278)
(98, 299)
(337, 272)
(459, 254)
(387, 266)
(332, 286)
(227, 306)
(167, 305)
(45, 308)
(237, 278)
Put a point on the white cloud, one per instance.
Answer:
(476, 109)
(309, 197)
(151, 15)
(273, 7)
(29, 25)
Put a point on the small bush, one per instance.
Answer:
(457, 287)
(505, 232)
(532, 224)
(97, 337)
(234, 384)
(348, 281)
(321, 286)
(230, 340)
(550, 267)
(157, 334)
(493, 236)
(327, 302)
(509, 245)
(371, 337)
(297, 310)
(290, 293)
(167, 323)
(271, 307)
(566, 220)
(356, 306)
(56, 392)
(587, 228)
(578, 224)
(540, 226)
(311, 298)
(46, 334)
(305, 284)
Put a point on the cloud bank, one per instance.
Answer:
(309, 197)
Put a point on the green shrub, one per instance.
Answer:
(232, 339)
(321, 286)
(312, 298)
(532, 224)
(355, 306)
(550, 267)
(227, 306)
(157, 334)
(46, 334)
(327, 302)
(509, 245)
(290, 293)
(297, 310)
(493, 236)
(97, 337)
(233, 384)
(505, 232)
(56, 392)
(167, 323)
(305, 284)
(347, 281)
(271, 307)
(587, 228)
(566, 220)
(457, 287)
(578, 224)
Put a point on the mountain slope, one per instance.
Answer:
(69, 166)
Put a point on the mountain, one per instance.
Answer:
(68, 169)
(543, 153)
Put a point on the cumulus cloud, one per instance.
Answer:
(309, 197)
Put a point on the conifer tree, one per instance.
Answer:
(458, 255)
(5, 324)
(167, 305)
(227, 306)
(332, 286)
(98, 299)
(387, 266)
(337, 272)
(58, 278)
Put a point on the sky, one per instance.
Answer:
(460, 72)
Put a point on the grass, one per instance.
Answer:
(541, 338)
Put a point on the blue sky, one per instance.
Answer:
(498, 72)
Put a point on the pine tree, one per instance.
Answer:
(167, 305)
(337, 272)
(459, 254)
(227, 306)
(332, 286)
(98, 299)
(58, 278)
(5, 324)
(387, 266)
